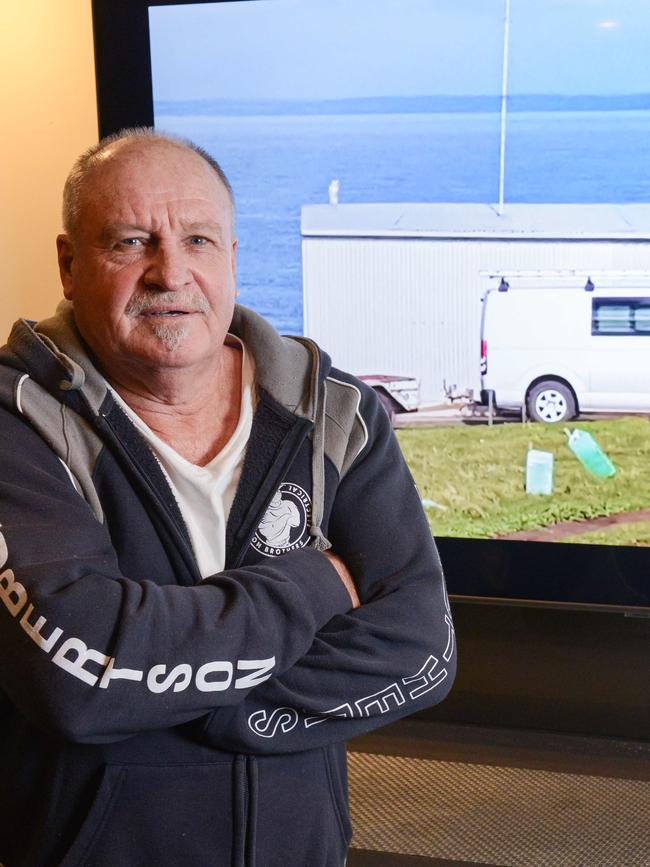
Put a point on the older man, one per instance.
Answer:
(176, 687)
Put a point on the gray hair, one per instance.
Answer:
(76, 180)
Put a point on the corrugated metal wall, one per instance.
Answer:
(413, 307)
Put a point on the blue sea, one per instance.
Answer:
(278, 163)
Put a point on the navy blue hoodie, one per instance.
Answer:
(148, 717)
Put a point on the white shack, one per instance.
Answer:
(397, 288)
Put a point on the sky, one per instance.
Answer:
(332, 49)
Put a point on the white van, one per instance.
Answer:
(555, 349)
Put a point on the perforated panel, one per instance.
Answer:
(496, 815)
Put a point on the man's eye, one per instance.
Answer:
(198, 240)
(130, 242)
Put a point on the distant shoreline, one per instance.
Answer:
(405, 105)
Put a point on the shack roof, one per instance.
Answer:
(466, 220)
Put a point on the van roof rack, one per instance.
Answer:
(565, 272)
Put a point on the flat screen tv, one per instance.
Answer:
(358, 134)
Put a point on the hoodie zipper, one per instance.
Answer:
(245, 812)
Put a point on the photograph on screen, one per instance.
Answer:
(451, 198)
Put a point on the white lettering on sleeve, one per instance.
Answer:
(182, 674)
(112, 673)
(34, 631)
(205, 685)
(266, 725)
(4, 551)
(260, 671)
(449, 649)
(426, 678)
(9, 588)
(74, 655)
(343, 710)
(379, 702)
(84, 654)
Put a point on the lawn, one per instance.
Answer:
(471, 477)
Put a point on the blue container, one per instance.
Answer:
(590, 454)
(539, 472)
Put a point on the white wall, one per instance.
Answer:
(412, 307)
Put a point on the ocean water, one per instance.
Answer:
(276, 164)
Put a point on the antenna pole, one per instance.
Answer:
(504, 100)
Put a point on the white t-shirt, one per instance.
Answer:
(205, 494)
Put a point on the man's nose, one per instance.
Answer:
(167, 269)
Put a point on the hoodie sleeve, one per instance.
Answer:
(392, 656)
(92, 654)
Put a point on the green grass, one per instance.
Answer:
(636, 533)
(475, 475)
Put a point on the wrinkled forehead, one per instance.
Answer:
(137, 175)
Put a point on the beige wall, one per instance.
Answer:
(48, 116)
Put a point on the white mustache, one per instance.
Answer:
(145, 301)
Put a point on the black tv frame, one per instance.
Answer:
(603, 578)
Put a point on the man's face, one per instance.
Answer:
(151, 270)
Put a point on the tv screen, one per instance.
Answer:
(452, 201)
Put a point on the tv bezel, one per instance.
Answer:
(561, 575)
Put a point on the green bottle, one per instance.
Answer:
(589, 453)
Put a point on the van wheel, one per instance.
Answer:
(551, 402)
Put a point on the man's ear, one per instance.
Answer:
(65, 253)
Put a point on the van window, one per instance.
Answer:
(620, 316)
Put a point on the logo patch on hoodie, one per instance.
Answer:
(285, 525)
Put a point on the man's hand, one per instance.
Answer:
(344, 575)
